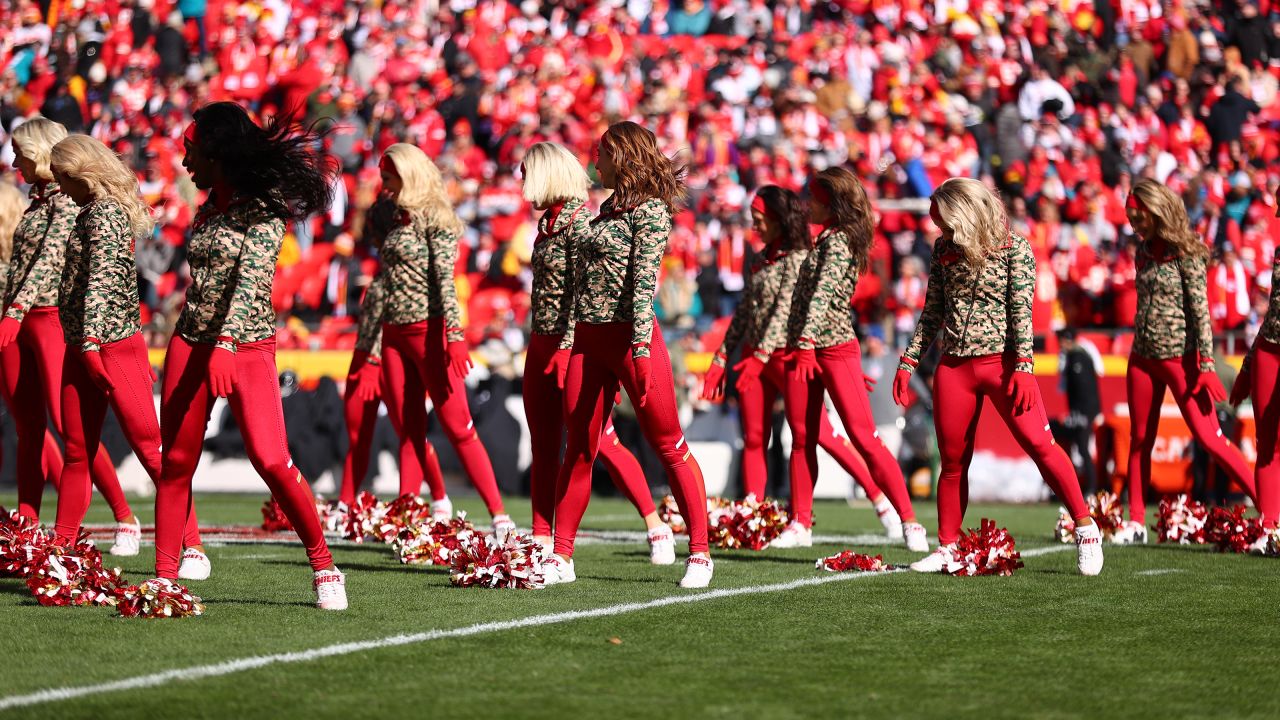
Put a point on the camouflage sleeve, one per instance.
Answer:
(255, 268)
(737, 326)
(62, 217)
(444, 255)
(369, 331)
(833, 260)
(1195, 296)
(1020, 294)
(573, 244)
(931, 316)
(774, 336)
(108, 236)
(650, 231)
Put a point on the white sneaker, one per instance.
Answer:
(889, 519)
(195, 565)
(128, 539)
(1089, 549)
(1259, 546)
(558, 571)
(662, 546)
(442, 510)
(331, 590)
(796, 535)
(1131, 533)
(917, 538)
(934, 562)
(698, 570)
(503, 527)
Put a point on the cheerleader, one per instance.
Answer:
(826, 356)
(555, 183)
(422, 322)
(759, 327)
(1172, 347)
(981, 282)
(105, 361)
(224, 344)
(31, 339)
(617, 341)
(365, 381)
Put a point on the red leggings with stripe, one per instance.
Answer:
(1146, 381)
(756, 407)
(186, 403)
(31, 367)
(1266, 412)
(418, 460)
(544, 408)
(601, 360)
(84, 408)
(959, 387)
(841, 377)
(421, 350)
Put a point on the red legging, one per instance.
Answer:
(544, 408)
(959, 386)
(418, 460)
(1146, 381)
(32, 372)
(841, 377)
(421, 350)
(185, 407)
(756, 407)
(601, 360)
(1266, 412)
(84, 408)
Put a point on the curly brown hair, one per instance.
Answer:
(791, 215)
(643, 172)
(1169, 216)
(850, 211)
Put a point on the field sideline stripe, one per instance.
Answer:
(250, 663)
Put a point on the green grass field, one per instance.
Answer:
(1165, 632)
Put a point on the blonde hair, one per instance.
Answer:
(87, 159)
(976, 216)
(12, 205)
(552, 174)
(422, 193)
(36, 138)
(1169, 218)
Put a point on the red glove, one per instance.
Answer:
(365, 377)
(222, 372)
(1209, 382)
(901, 386)
(869, 383)
(713, 383)
(560, 366)
(806, 362)
(1243, 384)
(748, 372)
(459, 358)
(1022, 391)
(8, 331)
(644, 376)
(97, 371)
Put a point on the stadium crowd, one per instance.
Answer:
(1060, 105)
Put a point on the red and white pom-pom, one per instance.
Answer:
(1104, 508)
(74, 576)
(669, 513)
(273, 517)
(404, 512)
(749, 525)
(158, 598)
(848, 560)
(1229, 529)
(1065, 530)
(482, 561)
(431, 543)
(22, 544)
(360, 519)
(986, 551)
(1181, 520)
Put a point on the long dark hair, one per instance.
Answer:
(643, 172)
(850, 211)
(280, 164)
(785, 208)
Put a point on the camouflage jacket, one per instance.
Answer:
(621, 255)
(760, 321)
(560, 230)
(418, 263)
(100, 279)
(233, 257)
(820, 313)
(980, 311)
(1173, 308)
(39, 250)
(1270, 330)
(372, 307)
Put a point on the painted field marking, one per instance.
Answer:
(1158, 571)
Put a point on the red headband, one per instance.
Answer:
(189, 135)
(386, 163)
(820, 192)
(1134, 202)
(758, 204)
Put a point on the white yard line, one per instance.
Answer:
(1158, 571)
